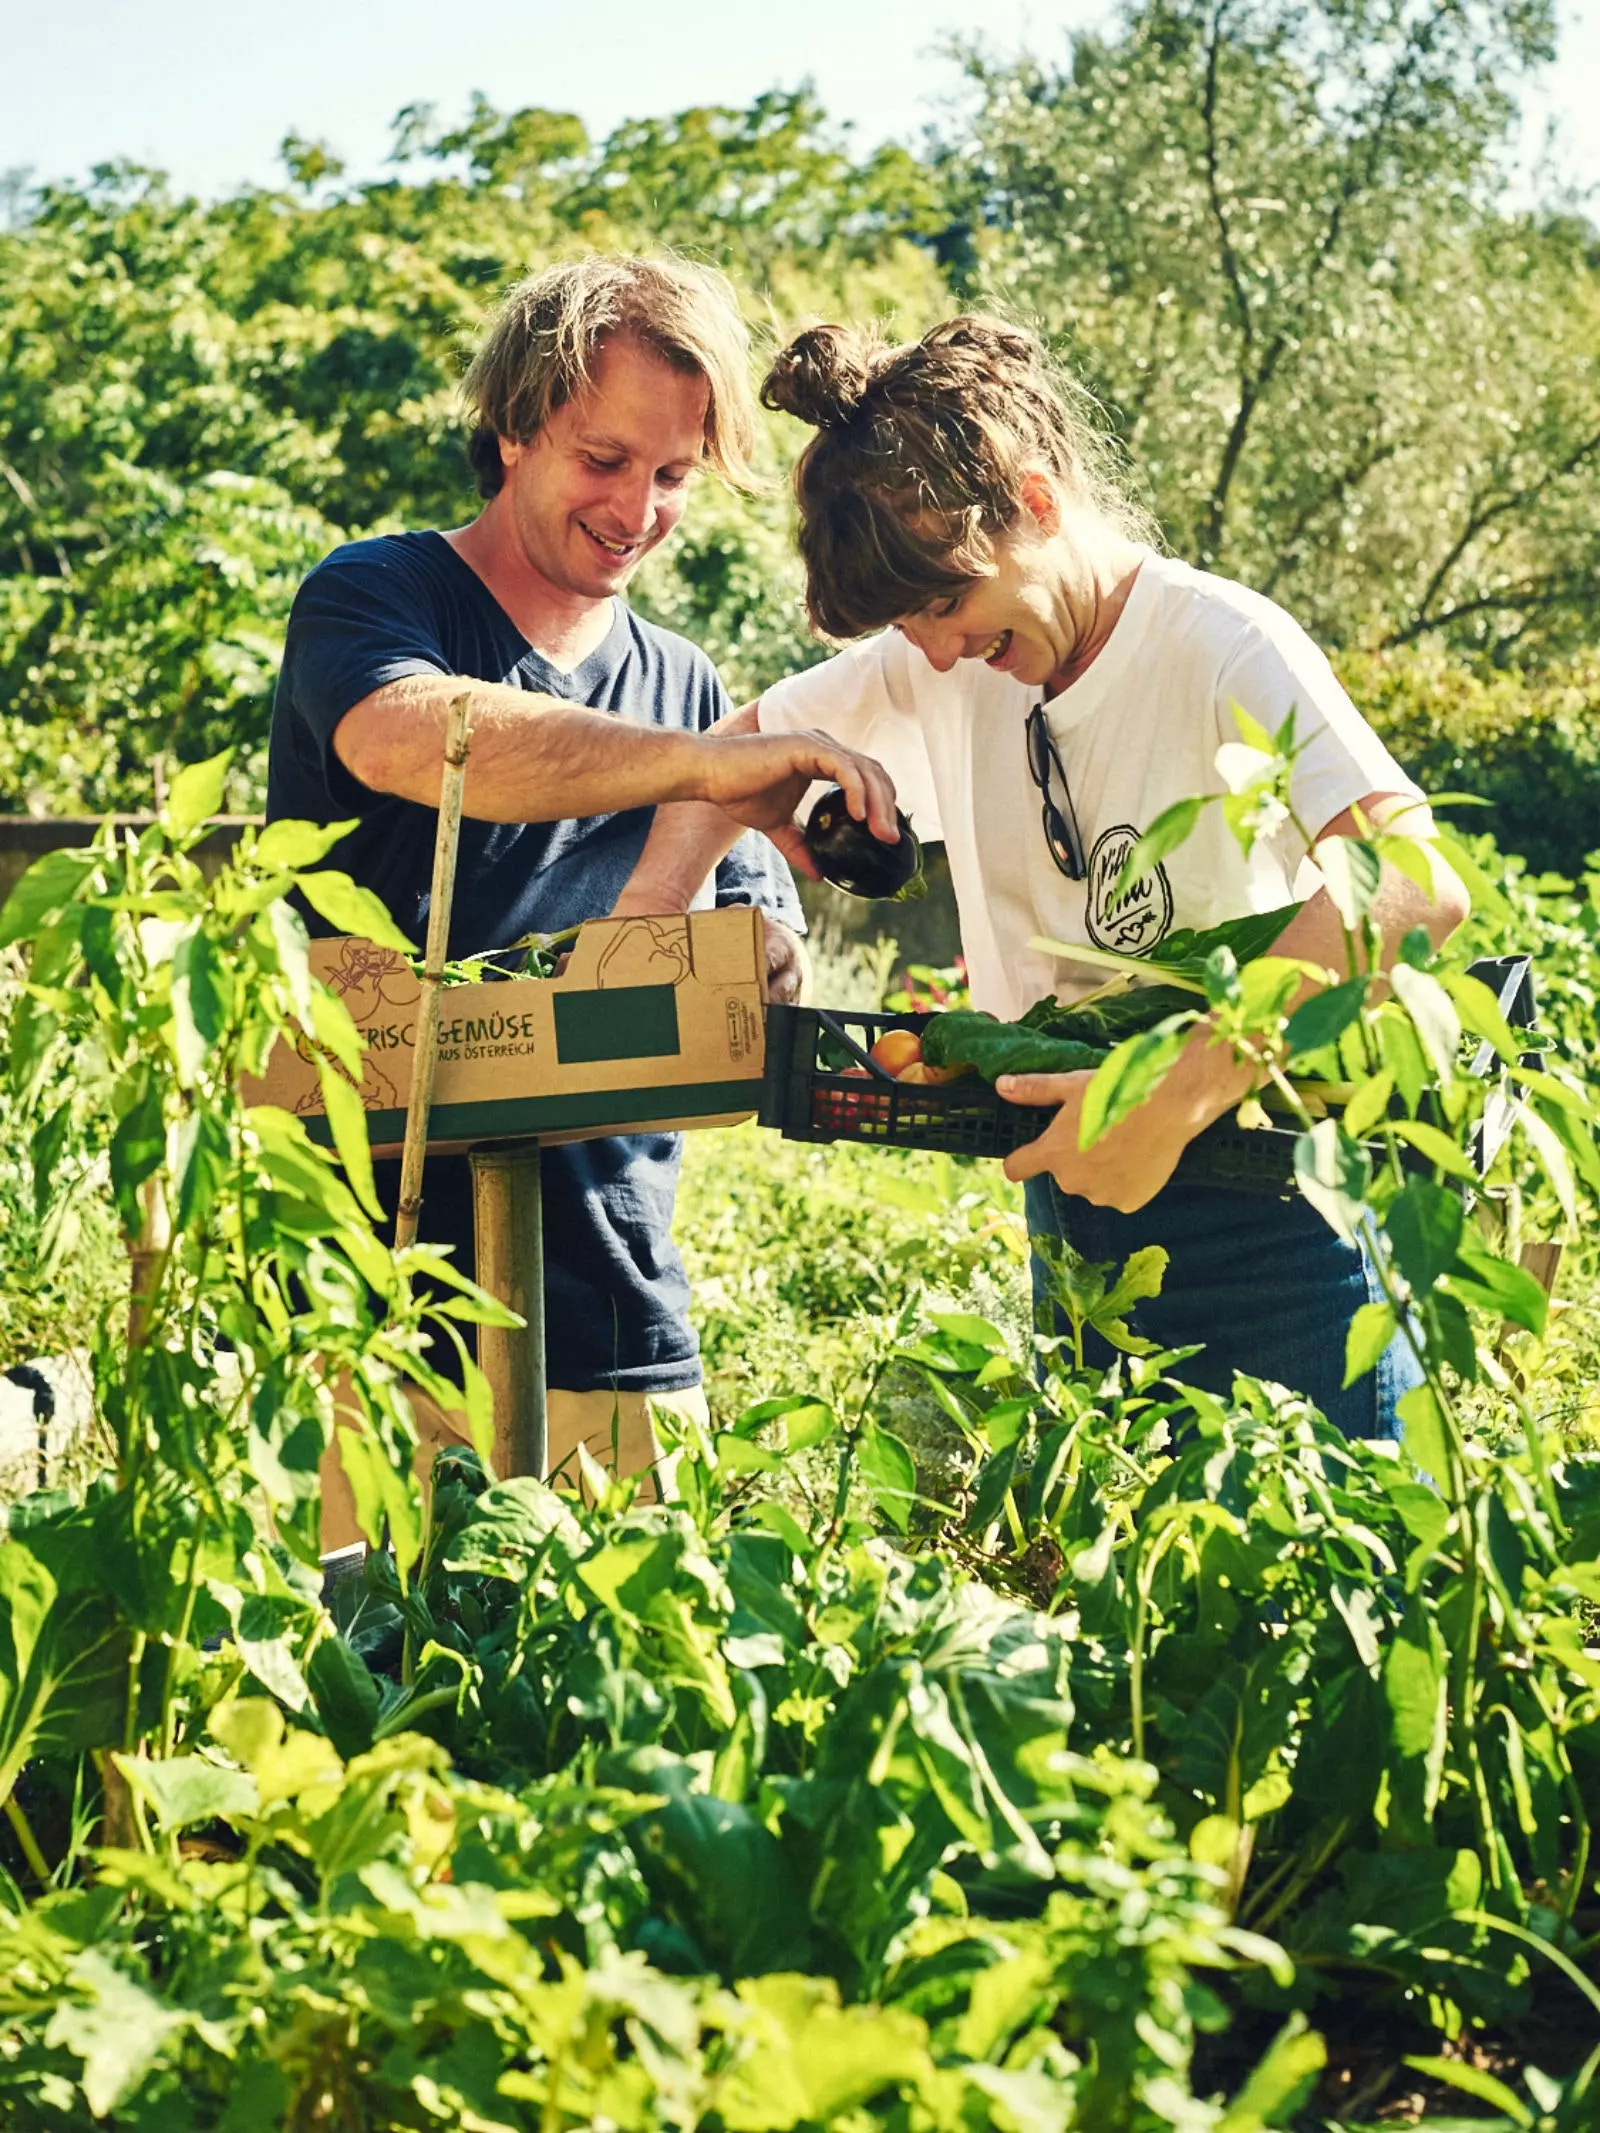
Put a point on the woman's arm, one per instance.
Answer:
(1128, 1166)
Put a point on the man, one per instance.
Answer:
(602, 390)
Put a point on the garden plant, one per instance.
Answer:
(976, 1740)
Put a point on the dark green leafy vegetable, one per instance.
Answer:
(963, 1037)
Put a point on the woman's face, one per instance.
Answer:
(1023, 619)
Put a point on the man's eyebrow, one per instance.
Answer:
(599, 441)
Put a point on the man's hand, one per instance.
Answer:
(761, 778)
(788, 965)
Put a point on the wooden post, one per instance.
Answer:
(456, 743)
(507, 1215)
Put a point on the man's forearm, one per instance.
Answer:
(533, 758)
(687, 841)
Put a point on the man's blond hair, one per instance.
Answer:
(545, 340)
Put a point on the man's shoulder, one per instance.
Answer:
(402, 557)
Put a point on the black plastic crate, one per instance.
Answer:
(808, 1096)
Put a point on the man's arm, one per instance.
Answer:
(689, 839)
(1128, 1166)
(536, 759)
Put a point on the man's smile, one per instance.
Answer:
(622, 550)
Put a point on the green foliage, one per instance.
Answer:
(1272, 236)
(1528, 750)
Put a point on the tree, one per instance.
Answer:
(1270, 233)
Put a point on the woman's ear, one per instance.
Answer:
(1037, 495)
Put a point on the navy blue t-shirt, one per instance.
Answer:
(616, 1297)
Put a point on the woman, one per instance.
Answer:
(1041, 684)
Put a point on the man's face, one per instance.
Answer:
(607, 478)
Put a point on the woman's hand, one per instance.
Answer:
(1125, 1168)
(1128, 1166)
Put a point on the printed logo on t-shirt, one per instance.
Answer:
(1134, 922)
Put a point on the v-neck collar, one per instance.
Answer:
(594, 667)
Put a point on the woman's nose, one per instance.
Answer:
(939, 655)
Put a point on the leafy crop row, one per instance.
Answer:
(1088, 1780)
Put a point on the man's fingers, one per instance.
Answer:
(790, 839)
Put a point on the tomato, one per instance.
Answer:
(897, 1051)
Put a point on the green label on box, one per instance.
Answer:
(627, 1022)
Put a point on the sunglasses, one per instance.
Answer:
(1060, 823)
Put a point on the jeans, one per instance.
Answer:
(1264, 1283)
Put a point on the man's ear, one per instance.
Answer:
(1037, 495)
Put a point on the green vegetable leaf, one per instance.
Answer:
(196, 794)
(352, 909)
(1334, 1174)
(1131, 1075)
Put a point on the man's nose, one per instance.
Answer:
(634, 502)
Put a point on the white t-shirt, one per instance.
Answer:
(1139, 730)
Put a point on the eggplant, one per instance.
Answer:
(846, 853)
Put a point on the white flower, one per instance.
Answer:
(1240, 766)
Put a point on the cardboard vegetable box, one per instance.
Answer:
(656, 1023)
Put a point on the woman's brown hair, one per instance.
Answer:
(920, 456)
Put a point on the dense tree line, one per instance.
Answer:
(1273, 236)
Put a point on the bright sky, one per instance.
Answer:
(207, 91)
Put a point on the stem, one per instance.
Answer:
(190, 1593)
(22, 1828)
(457, 743)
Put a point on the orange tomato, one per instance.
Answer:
(897, 1051)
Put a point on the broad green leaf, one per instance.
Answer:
(965, 1326)
(1473, 2081)
(345, 1694)
(1437, 1146)
(63, 1664)
(1319, 1020)
(1552, 1156)
(1368, 1104)
(294, 845)
(114, 2026)
(1172, 827)
(890, 1472)
(1131, 1075)
(1334, 1174)
(1480, 1012)
(1426, 1436)
(352, 909)
(1424, 1224)
(1352, 871)
(286, 930)
(1433, 1016)
(196, 794)
(810, 1423)
(186, 1789)
(48, 885)
(198, 1007)
(347, 1120)
(201, 1160)
(1371, 1330)
(1485, 894)
(1281, 2082)
(1494, 1284)
(138, 1148)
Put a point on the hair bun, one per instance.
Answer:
(822, 376)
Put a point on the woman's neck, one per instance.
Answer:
(1107, 570)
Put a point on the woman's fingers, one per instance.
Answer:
(1041, 1088)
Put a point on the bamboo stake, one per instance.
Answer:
(456, 744)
